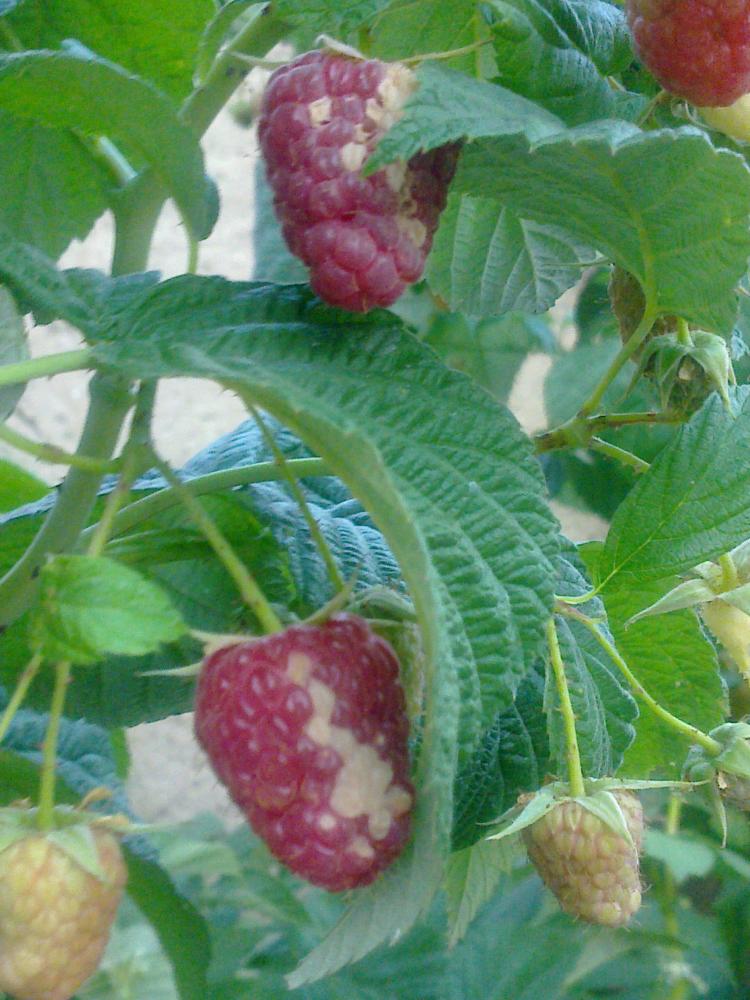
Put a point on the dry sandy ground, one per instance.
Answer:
(189, 414)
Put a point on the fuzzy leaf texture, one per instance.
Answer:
(59, 193)
(87, 299)
(492, 350)
(690, 262)
(513, 757)
(449, 105)
(328, 15)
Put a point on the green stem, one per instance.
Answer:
(136, 458)
(578, 431)
(619, 454)
(51, 364)
(45, 816)
(257, 38)
(602, 420)
(316, 534)
(694, 734)
(572, 600)
(110, 402)
(251, 593)
(214, 482)
(50, 453)
(572, 754)
(447, 53)
(10, 36)
(624, 355)
(139, 204)
(117, 164)
(684, 336)
(729, 577)
(19, 693)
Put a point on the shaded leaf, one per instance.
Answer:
(72, 90)
(486, 260)
(13, 347)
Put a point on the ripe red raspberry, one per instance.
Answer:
(697, 49)
(592, 870)
(364, 238)
(55, 917)
(307, 728)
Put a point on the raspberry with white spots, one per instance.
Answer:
(307, 728)
(696, 49)
(364, 238)
(592, 870)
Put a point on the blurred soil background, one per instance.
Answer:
(189, 414)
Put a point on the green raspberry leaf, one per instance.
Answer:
(624, 192)
(341, 16)
(487, 260)
(17, 487)
(672, 659)
(691, 506)
(157, 41)
(472, 880)
(92, 606)
(559, 53)
(74, 90)
(456, 490)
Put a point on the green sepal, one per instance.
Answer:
(739, 597)
(599, 800)
(684, 595)
(72, 833)
(735, 759)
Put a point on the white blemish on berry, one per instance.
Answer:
(395, 174)
(364, 784)
(360, 847)
(414, 229)
(320, 111)
(396, 86)
(327, 822)
(298, 668)
(353, 155)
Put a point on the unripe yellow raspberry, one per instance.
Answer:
(592, 870)
(55, 917)
(733, 121)
(732, 628)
